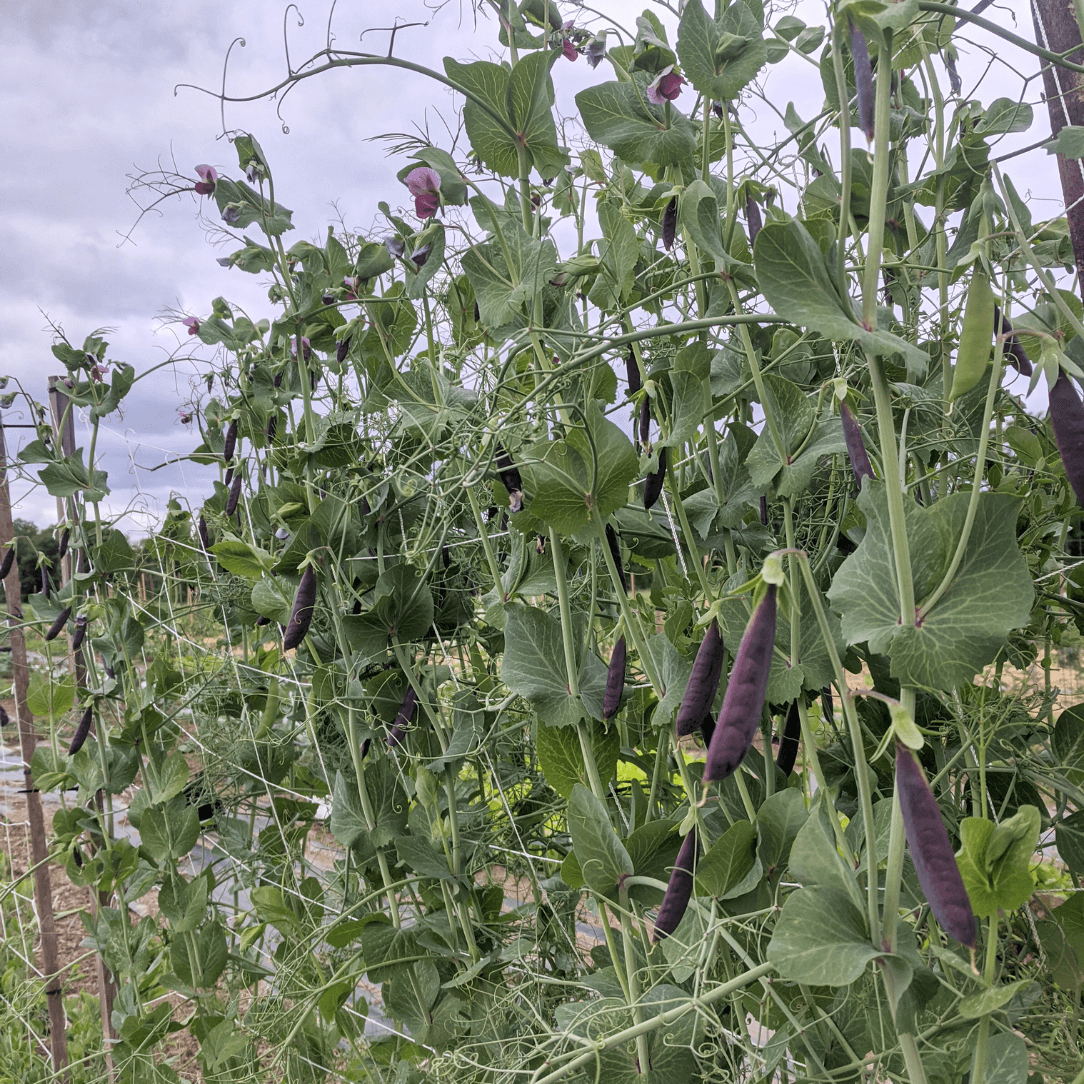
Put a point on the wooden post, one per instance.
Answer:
(1057, 29)
(28, 739)
(64, 430)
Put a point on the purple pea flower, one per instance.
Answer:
(569, 49)
(192, 323)
(232, 213)
(667, 86)
(306, 349)
(207, 177)
(595, 51)
(424, 185)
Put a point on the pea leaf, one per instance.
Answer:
(727, 861)
(995, 860)
(620, 116)
(991, 592)
(794, 276)
(561, 758)
(821, 938)
(720, 58)
(582, 478)
(602, 856)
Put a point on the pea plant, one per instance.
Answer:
(646, 551)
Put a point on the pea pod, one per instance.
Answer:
(788, 745)
(703, 682)
(973, 354)
(679, 889)
(615, 680)
(856, 448)
(1014, 351)
(653, 485)
(615, 553)
(9, 558)
(234, 497)
(301, 614)
(403, 718)
(752, 217)
(80, 632)
(863, 81)
(57, 626)
(669, 224)
(744, 700)
(1067, 417)
(632, 372)
(230, 442)
(931, 850)
(81, 731)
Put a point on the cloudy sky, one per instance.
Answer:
(87, 93)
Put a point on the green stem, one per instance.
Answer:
(978, 1065)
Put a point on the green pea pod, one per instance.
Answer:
(975, 337)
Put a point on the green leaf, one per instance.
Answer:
(1004, 116)
(727, 861)
(619, 116)
(402, 607)
(1067, 743)
(1006, 1059)
(561, 758)
(241, 559)
(794, 276)
(700, 216)
(821, 939)
(779, 820)
(720, 58)
(169, 831)
(48, 698)
(995, 861)
(533, 665)
(602, 857)
(1069, 836)
(1069, 142)
(582, 478)
(690, 376)
(990, 594)
(119, 386)
(271, 598)
(815, 861)
(619, 250)
(988, 1001)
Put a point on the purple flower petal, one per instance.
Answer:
(207, 177)
(666, 87)
(422, 180)
(595, 51)
(394, 247)
(231, 214)
(305, 347)
(420, 255)
(570, 51)
(192, 323)
(426, 205)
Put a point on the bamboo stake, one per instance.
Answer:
(28, 739)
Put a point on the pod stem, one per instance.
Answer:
(976, 487)
(978, 1064)
(632, 621)
(878, 203)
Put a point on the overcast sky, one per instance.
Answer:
(87, 93)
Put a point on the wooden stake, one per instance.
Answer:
(28, 739)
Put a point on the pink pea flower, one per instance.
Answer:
(306, 349)
(424, 185)
(98, 373)
(206, 184)
(666, 88)
(192, 323)
(185, 416)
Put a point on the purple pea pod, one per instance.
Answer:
(4, 720)
(1013, 350)
(404, 718)
(645, 420)
(365, 747)
(263, 620)
(653, 485)
(45, 582)
(508, 473)
(81, 731)
(863, 80)
(234, 497)
(744, 700)
(669, 224)
(752, 217)
(615, 553)
(856, 449)
(80, 632)
(931, 850)
(679, 889)
(615, 680)
(230, 442)
(65, 537)
(703, 683)
(301, 614)
(764, 511)
(57, 626)
(788, 746)
(632, 373)
(204, 537)
(1067, 417)
(9, 560)
(342, 348)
